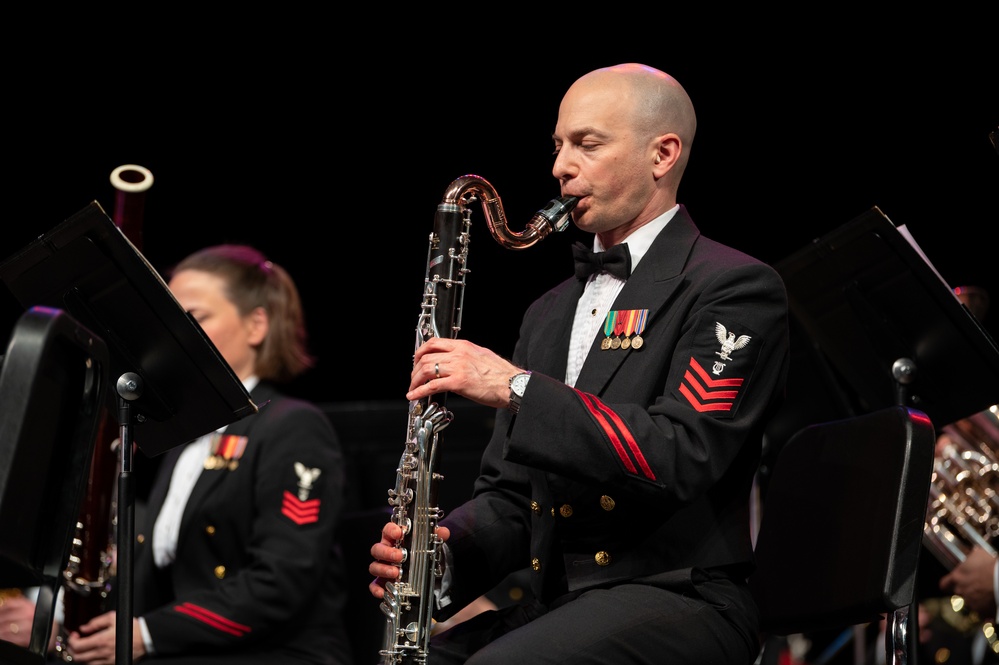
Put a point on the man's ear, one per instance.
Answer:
(668, 150)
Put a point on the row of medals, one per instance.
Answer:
(618, 343)
(213, 462)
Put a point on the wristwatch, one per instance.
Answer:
(518, 384)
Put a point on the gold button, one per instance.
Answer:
(210, 530)
(220, 572)
(607, 503)
(553, 511)
(140, 538)
(565, 510)
(536, 565)
(535, 507)
(602, 558)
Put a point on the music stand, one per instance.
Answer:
(172, 383)
(885, 327)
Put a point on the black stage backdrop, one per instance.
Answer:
(333, 157)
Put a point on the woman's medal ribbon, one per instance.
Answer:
(227, 449)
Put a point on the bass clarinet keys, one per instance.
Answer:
(408, 601)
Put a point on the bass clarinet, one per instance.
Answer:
(407, 603)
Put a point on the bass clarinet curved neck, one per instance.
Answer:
(553, 217)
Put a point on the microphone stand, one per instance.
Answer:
(902, 625)
(129, 389)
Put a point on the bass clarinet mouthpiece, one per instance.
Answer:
(556, 213)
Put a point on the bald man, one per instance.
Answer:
(629, 420)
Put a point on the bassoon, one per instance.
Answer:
(91, 567)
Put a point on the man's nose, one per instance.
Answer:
(562, 168)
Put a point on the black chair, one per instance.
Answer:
(841, 527)
(53, 381)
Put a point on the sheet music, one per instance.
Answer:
(912, 241)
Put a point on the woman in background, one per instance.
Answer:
(236, 560)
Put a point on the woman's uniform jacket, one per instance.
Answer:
(257, 570)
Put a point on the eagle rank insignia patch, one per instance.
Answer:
(716, 372)
(729, 342)
(299, 508)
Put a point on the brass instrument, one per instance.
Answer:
(963, 512)
(963, 508)
(91, 566)
(407, 602)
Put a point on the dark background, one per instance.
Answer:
(332, 159)
(328, 140)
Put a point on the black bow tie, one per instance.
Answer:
(616, 261)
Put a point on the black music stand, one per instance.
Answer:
(884, 328)
(172, 383)
(877, 326)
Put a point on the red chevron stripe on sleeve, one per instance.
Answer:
(616, 430)
(214, 620)
(710, 395)
(298, 511)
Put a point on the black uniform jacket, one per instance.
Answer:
(256, 569)
(646, 465)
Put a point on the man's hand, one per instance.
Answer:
(972, 579)
(387, 564)
(17, 614)
(458, 366)
(17, 617)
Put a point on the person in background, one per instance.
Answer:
(630, 417)
(976, 579)
(17, 616)
(948, 634)
(236, 561)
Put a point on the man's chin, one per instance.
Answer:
(582, 220)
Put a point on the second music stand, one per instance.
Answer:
(885, 327)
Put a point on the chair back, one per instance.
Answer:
(842, 522)
(53, 380)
